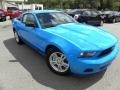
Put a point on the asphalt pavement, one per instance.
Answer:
(22, 68)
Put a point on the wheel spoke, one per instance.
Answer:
(60, 68)
(55, 56)
(62, 57)
(53, 62)
(65, 65)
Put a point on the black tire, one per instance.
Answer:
(101, 23)
(113, 21)
(17, 38)
(11, 18)
(5, 19)
(49, 52)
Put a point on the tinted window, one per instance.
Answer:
(52, 19)
(86, 13)
(94, 13)
(12, 8)
(78, 12)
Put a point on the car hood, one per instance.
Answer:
(85, 37)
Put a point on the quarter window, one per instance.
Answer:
(28, 19)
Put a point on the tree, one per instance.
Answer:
(76, 4)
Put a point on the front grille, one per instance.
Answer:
(106, 52)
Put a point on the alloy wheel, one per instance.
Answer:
(58, 62)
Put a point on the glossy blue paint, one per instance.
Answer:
(71, 39)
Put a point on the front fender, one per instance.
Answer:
(66, 47)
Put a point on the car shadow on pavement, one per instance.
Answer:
(36, 65)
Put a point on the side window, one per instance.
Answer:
(28, 19)
(87, 13)
(24, 19)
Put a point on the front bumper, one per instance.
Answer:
(78, 66)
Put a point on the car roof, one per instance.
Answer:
(80, 10)
(41, 11)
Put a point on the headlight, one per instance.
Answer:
(87, 54)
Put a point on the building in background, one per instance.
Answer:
(1, 3)
(5, 4)
(31, 6)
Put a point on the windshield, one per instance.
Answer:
(115, 13)
(94, 13)
(53, 19)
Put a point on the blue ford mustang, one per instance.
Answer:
(68, 45)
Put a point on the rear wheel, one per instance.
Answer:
(17, 38)
(57, 61)
(101, 23)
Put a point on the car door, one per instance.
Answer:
(86, 16)
(31, 32)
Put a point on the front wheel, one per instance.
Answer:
(57, 61)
